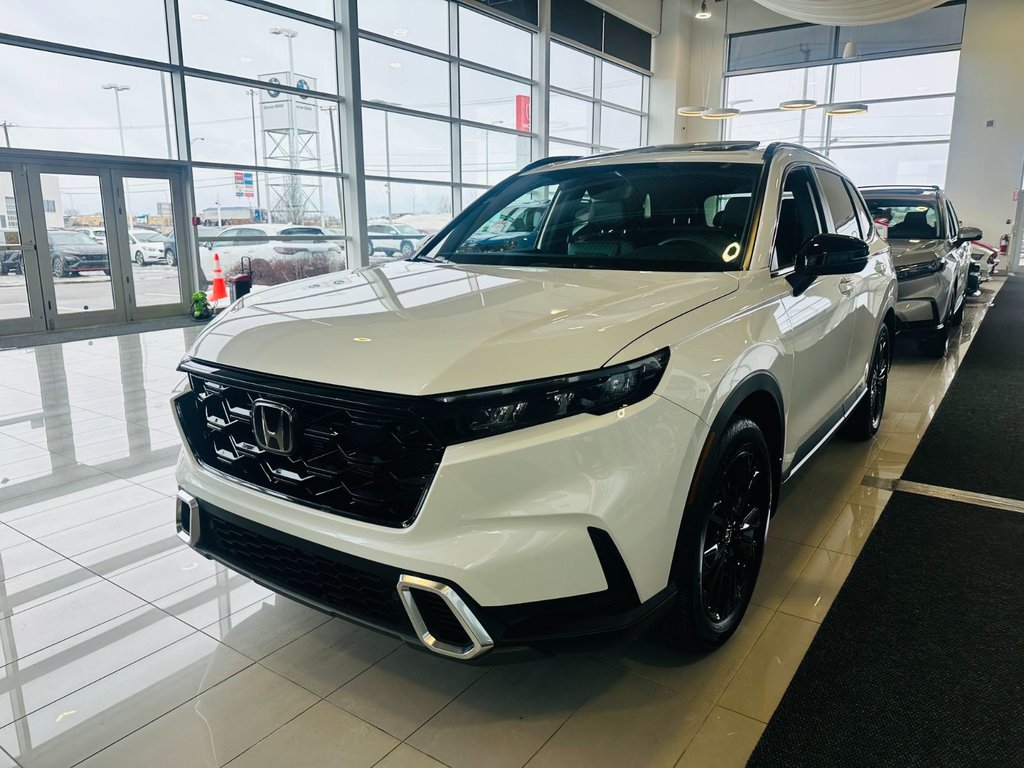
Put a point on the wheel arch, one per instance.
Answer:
(758, 397)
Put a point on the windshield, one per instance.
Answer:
(71, 238)
(907, 219)
(685, 217)
(148, 237)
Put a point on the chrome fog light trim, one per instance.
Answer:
(480, 641)
(187, 507)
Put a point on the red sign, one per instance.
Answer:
(522, 113)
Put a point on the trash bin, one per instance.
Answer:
(239, 285)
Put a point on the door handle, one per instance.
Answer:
(846, 286)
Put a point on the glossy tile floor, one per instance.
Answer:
(123, 648)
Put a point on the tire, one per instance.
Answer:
(867, 416)
(715, 582)
(936, 346)
(407, 249)
(957, 318)
(60, 267)
(170, 257)
(140, 259)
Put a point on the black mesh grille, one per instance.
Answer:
(360, 592)
(439, 618)
(370, 459)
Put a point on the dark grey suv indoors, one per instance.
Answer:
(932, 255)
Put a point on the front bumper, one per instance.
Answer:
(547, 534)
(918, 305)
(415, 607)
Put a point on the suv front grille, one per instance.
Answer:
(357, 454)
(340, 583)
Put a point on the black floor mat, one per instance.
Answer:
(920, 661)
(977, 434)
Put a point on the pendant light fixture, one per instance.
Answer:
(692, 110)
(846, 108)
(795, 105)
(719, 113)
(703, 13)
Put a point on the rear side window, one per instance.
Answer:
(867, 227)
(844, 219)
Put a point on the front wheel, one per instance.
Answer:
(170, 257)
(938, 345)
(721, 540)
(60, 267)
(140, 259)
(407, 249)
(867, 416)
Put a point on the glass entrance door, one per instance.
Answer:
(85, 245)
(155, 242)
(21, 302)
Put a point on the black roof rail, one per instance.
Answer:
(693, 146)
(547, 161)
(775, 146)
(904, 187)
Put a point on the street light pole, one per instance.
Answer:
(255, 150)
(117, 105)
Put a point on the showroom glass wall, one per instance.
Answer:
(904, 71)
(448, 93)
(247, 100)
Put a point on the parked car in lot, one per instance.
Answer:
(99, 234)
(515, 229)
(931, 252)
(394, 238)
(486, 450)
(147, 247)
(276, 256)
(10, 251)
(72, 253)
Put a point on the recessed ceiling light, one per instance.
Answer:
(401, 31)
(396, 65)
(200, 16)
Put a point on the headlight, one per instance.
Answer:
(918, 270)
(482, 413)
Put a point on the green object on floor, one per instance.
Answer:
(201, 309)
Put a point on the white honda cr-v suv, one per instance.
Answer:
(573, 436)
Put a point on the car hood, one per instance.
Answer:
(905, 252)
(411, 327)
(80, 250)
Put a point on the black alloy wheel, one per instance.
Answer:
(60, 267)
(140, 259)
(722, 539)
(866, 418)
(734, 536)
(170, 257)
(878, 382)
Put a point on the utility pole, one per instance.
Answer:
(7, 134)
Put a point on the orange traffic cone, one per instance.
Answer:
(220, 288)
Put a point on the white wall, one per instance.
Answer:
(689, 56)
(985, 162)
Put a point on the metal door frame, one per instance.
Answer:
(175, 176)
(36, 318)
(55, 321)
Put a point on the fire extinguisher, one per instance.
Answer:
(1004, 244)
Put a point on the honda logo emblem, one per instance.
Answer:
(273, 427)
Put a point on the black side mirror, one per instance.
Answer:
(968, 235)
(828, 254)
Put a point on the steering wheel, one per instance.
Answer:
(705, 250)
